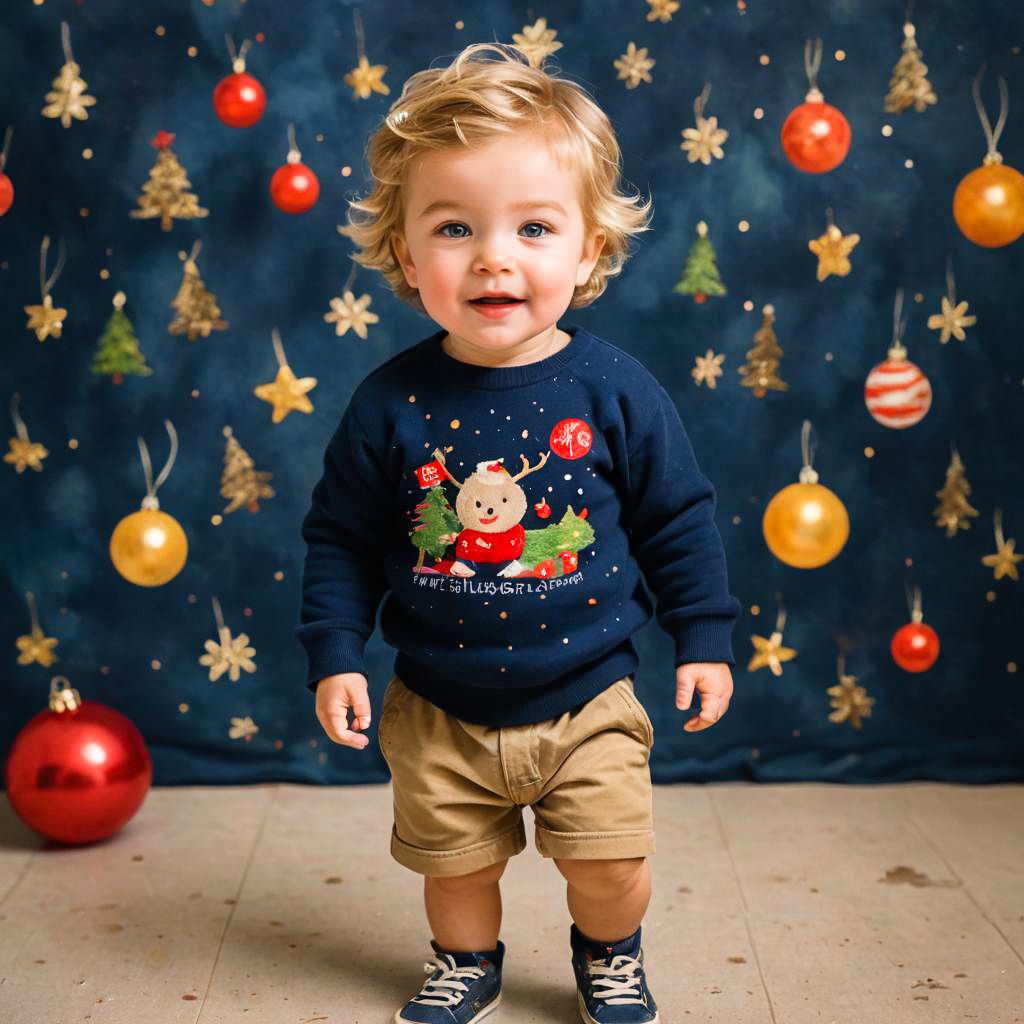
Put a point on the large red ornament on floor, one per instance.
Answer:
(815, 136)
(294, 188)
(988, 205)
(239, 99)
(78, 771)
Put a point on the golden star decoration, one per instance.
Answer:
(704, 141)
(243, 728)
(850, 701)
(833, 249)
(231, 655)
(366, 79)
(286, 393)
(35, 646)
(25, 453)
(46, 319)
(349, 311)
(770, 652)
(634, 66)
(536, 41)
(708, 368)
(951, 320)
(1004, 561)
(662, 10)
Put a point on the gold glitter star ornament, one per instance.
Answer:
(24, 451)
(1004, 561)
(366, 79)
(769, 651)
(285, 393)
(46, 319)
(951, 321)
(833, 251)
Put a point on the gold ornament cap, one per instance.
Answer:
(63, 698)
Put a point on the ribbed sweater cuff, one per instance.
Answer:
(704, 639)
(339, 650)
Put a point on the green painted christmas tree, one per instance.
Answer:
(572, 534)
(700, 275)
(437, 525)
(118, 351)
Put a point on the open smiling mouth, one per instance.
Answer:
(491, 520)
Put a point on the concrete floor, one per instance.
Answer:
(280, 904)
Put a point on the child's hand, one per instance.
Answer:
(714, 681)
(334, 696)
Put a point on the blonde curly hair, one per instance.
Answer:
(476, 99)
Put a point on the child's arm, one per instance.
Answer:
(670, 520)
(343, 579)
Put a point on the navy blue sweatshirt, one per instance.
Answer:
(507, 513)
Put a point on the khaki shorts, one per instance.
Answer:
(459, 788)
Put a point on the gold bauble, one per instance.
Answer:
(148, 547)
(805, 525)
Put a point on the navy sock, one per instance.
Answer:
(606, 950)
(471, 959)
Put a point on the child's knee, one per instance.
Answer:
(469, 882)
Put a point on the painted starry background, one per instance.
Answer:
(152, 68)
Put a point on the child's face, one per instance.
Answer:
(484, 243)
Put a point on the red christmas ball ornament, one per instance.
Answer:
(6, 193)
(77, 771)
(6, 188)
(815, 136)
(542, 508)
(915, 646)
(239, 99)
(294, 188)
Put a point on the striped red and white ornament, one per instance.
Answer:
(897, 393)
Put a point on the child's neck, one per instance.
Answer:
(542, 347)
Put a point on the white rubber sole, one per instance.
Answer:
(492, 1005)
(587, 1019)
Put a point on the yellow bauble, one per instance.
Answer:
(805, 525)
(148, 547)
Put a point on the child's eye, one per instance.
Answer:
(456, 224)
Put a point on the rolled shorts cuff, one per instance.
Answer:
(594, 845)
(459, 862)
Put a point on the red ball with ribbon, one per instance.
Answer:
(78, 771)
(815, 136)
(6, 187)
(239, 99)
(294, 188)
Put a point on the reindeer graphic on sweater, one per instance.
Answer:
(490, 506)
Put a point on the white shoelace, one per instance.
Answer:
(446, 982)
(615, 991)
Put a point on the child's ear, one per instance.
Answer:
(401, 251)
(592, 247)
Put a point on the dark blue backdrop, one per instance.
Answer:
(137, 648)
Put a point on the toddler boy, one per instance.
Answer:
(504, 482)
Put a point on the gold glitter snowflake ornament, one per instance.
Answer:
(231, 655)
(705, 141)
(536, 41)
(634, 66)
(708, 368)
(349, 311)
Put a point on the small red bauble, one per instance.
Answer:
(816, 137)
(77, 771)
(239, 100)
(294, 188)
(915, 647)
(6, 193)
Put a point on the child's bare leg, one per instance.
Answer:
(464, 911)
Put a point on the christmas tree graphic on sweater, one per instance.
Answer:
(486, 524)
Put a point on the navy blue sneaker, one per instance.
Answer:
(611, 988)
(462, 988)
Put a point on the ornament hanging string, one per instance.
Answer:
(44, 284)
(351, 277)
(294, 156)
(1000, 539)
(896, 349)
(33, 612)
(780, 618)
(914, 602)
(807, 473)
(8, 135)
(950, 283)
(237, 59)
(700, 101)
(221, 627)
(360, 40)
(275, 334)
(841, 665)
(993, 156)
(830, 221)
(812, 65)
(19, 423)
(150, 500)
(65, 39)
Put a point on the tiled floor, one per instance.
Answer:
(280, 904)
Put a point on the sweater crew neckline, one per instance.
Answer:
(472, 375)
